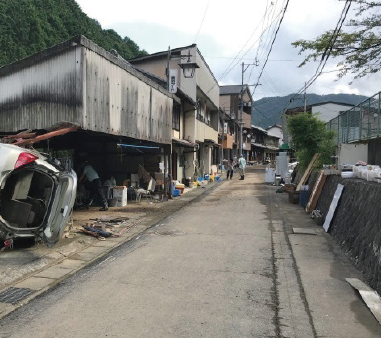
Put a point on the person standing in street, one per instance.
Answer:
(242, 166)
(91, 175)
(230, 169)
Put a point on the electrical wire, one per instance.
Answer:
(272, 44)
(223, 57)
(325, 55)
(264, 115)
(267, 40)
(327, 52)
(260, 41)
(202, 21)
(232, 65)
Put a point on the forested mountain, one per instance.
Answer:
(29, 26)
(267, 111)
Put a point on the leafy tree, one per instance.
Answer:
(29, 26)
(360, 48)
(309, 136)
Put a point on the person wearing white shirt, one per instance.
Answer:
(242, 166)
(96, 185)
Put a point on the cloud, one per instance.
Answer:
(340, 89)
(230, 35)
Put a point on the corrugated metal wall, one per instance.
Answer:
(79, 82)
(119, 103)
(41, 95)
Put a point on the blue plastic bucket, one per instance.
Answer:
(176, 193)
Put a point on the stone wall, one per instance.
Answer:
(356, 225)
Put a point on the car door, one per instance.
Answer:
(61, 207)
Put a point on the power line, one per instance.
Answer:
(202, 21)
(327, 51)
(231, 58)
(270, 119)
(267, 39)
(230, 67)
(272, 44)
(260, 41)
(325, 54)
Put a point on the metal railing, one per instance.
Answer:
(361, 122)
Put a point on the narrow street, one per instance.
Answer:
(225, 265)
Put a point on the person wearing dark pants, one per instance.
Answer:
(96, 185)
(230, 170)
(242, 165)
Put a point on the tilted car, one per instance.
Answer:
(36, 195)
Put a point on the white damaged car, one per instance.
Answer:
(36, 195)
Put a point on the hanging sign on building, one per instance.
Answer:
(173, 80)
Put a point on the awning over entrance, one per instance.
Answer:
(184, 142)
(258, 145)
(285, 146)
(272, 148)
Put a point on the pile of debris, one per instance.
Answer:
(108, 226)
(29, 137)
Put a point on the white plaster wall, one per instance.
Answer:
(329, 111)
(206, 158)
(352, 153)
(189, 164)
(277, 132)
(206, 81)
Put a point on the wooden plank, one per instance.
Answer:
(308, 171)
(333, 206)
(303, 231)
(370, 297)
(318, 187)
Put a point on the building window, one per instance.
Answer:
(176, 117)
(215, 152)
(199, 113)
(181, 160)
(207, 117)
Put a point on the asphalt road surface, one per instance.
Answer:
(223, 266)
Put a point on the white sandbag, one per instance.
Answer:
(347, 174)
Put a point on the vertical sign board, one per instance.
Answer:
(225, 128)
(173, 80)
(332, 207)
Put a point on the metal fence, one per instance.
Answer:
(361, 122)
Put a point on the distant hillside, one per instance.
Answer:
(29, 26)
(267, 111)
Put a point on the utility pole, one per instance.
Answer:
(305, 97)
(168, 58)
(223, 139)
(241, 111)
(241, 114)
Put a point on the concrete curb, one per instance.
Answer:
(45, 279)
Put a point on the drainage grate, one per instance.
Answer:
(14, 295)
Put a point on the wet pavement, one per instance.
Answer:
(240, 260)
(39, 268)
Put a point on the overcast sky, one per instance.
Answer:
(228, 33)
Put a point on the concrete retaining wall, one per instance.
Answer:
(356, 226)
